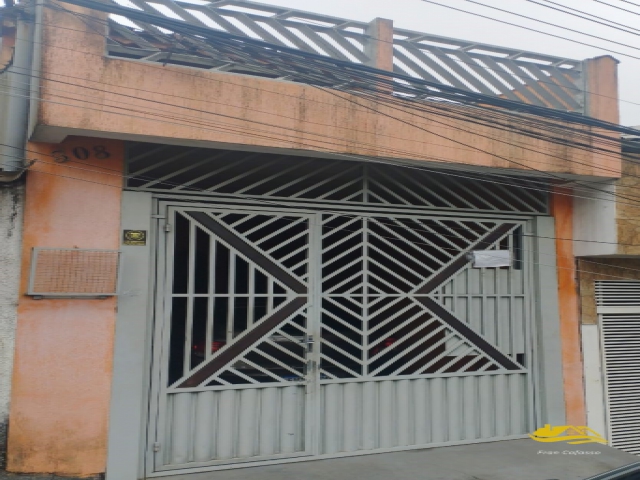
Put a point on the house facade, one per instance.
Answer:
(216, 265)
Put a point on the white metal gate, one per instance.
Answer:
(291, 333)
(619, 316)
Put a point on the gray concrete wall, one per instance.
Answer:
(11, 210)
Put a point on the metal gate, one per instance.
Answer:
(618, 304)
(291, 333)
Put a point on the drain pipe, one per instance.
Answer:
(14, 100)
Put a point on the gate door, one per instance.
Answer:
(414, 346)
(233, 383)
(417, 347)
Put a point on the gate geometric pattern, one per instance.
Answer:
(241, 292)
(380, 317)
(199, 171)
(244, 288)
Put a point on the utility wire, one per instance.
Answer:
(542, 172)
(545, 172)
(319, 68)
(529, 28)
(599, 148)
(595, 18)
(436, 112)
(618, 8)
(457, 60)
(441, 107)
(630, 3)
(396, 225)
(296, 142)
(607, 139)
(553, 24)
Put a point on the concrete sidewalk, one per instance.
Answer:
(507, 460)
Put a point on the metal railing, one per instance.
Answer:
(532, 78)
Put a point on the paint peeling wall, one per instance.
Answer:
(11, 210)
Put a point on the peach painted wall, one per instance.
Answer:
(62, 371)
(90, 94)
(568, 299)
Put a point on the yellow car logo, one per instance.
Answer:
(567, 433)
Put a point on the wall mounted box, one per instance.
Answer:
(74, 273)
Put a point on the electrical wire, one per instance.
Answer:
(396, 225)
(530, 29)
(630, 3)
(618, 8)
(457, 60)
(615, 152)
(607, 192)
(553, 24)
(595, 19)
(319, 68)
(271, 125)
(250, 133)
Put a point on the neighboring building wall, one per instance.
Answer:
(628, 206)
(592, 269)
(64, 347)
(626, 232)
(11, 210)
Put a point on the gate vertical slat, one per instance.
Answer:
(202, 437)
(470, 408)
(227, 418)
(247, 430)
(438, 410)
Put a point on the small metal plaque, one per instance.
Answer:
(136, 238)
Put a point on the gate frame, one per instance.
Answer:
(128, 443)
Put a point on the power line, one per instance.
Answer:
(618, 8)
(553, 24)
(378, 99)
(457, 60)
(323, 70)
(119, 107)
(540, 171)
(395, 225)
(489, 153)
(581, 14)
(529, 28)
(607, 138)
(630, 3)
(465, 119)
(614, 152)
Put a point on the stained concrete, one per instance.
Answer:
(11, 208)
(508, 460)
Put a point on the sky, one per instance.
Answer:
(438, 20)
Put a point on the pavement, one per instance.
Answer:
(506, 460)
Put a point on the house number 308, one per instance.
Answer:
(99, 152)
